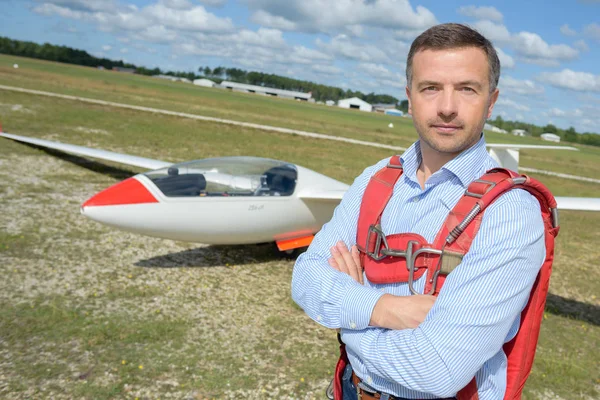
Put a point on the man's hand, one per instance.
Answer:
(401, 312)
(346, 261)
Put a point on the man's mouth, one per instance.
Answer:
(446, 128)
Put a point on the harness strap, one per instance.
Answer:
(377, 194)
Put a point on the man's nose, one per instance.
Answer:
(448, 104)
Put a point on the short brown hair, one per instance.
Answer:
(453, 36)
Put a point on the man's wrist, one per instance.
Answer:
(380, 313)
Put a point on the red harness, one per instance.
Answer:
(405, 257)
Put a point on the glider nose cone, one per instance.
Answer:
(130, 191)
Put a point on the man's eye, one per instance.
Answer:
(430, 88)
(467, 89)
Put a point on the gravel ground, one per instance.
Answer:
(235, 299)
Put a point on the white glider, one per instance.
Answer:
(227, 200)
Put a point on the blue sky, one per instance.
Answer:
(550, 54)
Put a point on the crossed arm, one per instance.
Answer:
(390, 312)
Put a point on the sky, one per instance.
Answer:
(549, 51)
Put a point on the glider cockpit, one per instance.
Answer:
(226, 176)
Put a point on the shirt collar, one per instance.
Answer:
(466, 166)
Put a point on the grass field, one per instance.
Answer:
(90, 312)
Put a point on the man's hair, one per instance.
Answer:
(454, 36)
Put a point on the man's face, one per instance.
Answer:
(450, 97)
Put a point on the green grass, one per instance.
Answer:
(77, 297)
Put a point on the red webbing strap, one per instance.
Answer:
(484, 191)
(521, 350)
(376, 196)
(339, 371)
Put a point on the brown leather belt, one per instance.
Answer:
(364, 395)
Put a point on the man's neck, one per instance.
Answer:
(431, 162)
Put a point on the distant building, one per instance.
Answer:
(489, 127)
(204, 82)
(394, 112)
(123, 69)
(355, 103)
(383, 107)
(551, 137)
(172, 78)
(287, 94)
(330, 103)
(520, 132)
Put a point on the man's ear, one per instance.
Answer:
(409, 101)
(493, 98)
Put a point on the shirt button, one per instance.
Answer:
(369, 379)
(415, 199)
(319, 318)
(352, 325)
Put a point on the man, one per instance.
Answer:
(419, 347)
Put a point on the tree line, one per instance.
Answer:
(319, 92)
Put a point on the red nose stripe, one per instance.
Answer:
(130, 191)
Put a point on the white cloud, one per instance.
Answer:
(374, 69)
(506, 61)
(106, 47)
(512, 104)
(214, 3)
(565, 30)
(489, 13)
(156, 34)
(264, 37)
(177, 4)
(130, 19)
(572, 80)
(408, 34)
(518, 86)
(327, 69)
(592, 31)
(124, 50)
(581, 45)
(264, 18)
(342, 46)
(335, 16)
(560, 113)
(86, 5)
(533, 49)
(195, 19)
(497, 33)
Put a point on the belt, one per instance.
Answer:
(366, 395)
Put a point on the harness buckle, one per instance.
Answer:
(376, 254)
(410, 264)
(477, 195)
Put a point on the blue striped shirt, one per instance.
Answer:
(478, 308)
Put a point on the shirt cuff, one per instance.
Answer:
(357, 306)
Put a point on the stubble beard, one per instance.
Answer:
(447, 144)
